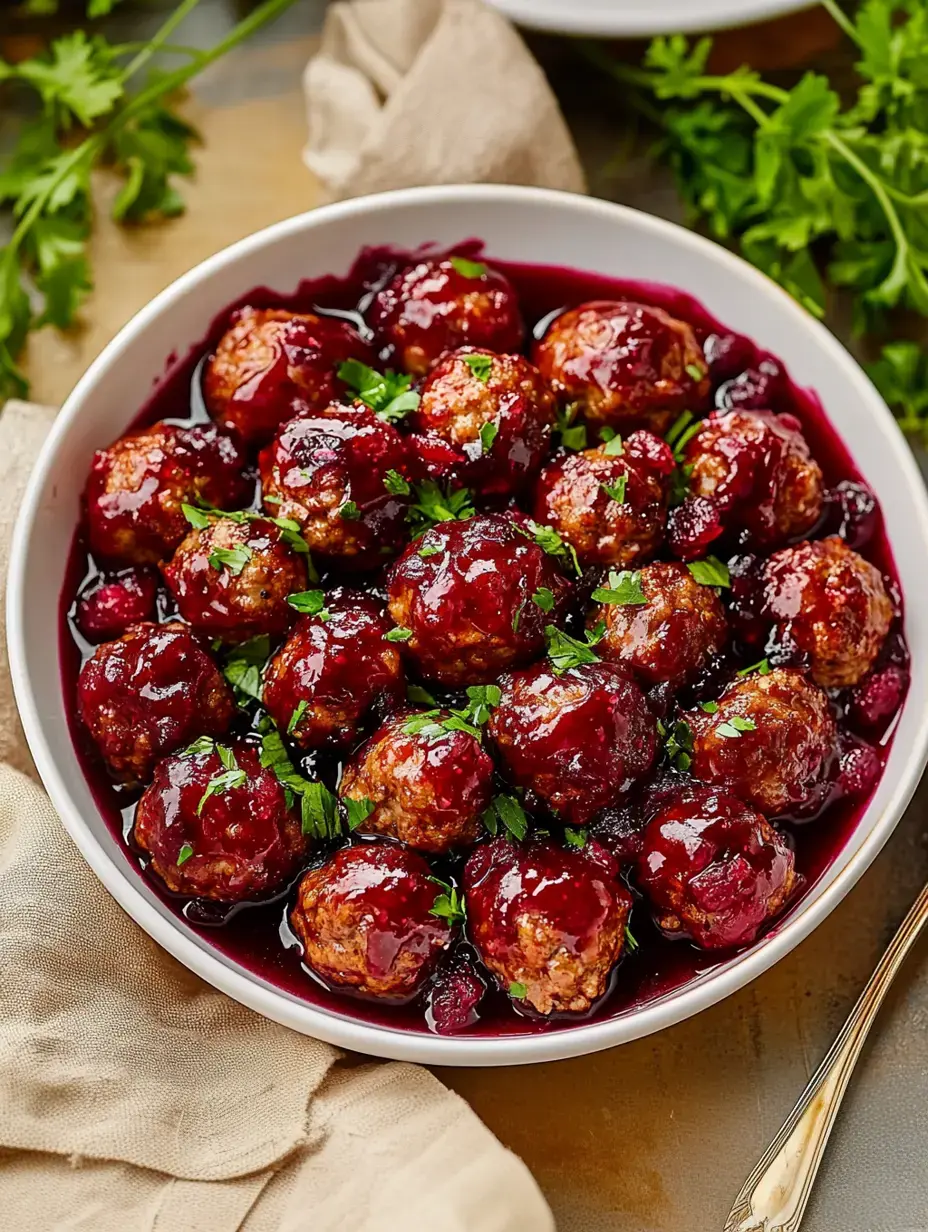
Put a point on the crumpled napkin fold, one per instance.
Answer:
(409, 92)
(135, 1098)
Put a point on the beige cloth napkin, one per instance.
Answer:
(409, 92)
(135, 1098)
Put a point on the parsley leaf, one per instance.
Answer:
(231, 778)
(488, 434)
(432, 505)
(290, 532)
(388, 394)
(710, 572)
(430, 549)
(243, 667)
(575, 838)
(612, 444)
(551, 543)
(318, 806)
(186, 851)
(416, 694)
(205, 744)
(566, 652)
(573, 436)
(349, 511)
(297, 715)
(310, 603)
(433, 724)
(507, 811)
(624, 589)
(518, 990)
(399, 634)
(395, 484)
(543, 598)
(735, 726)
(679, 745)
(233, 559)
(762, 668)
(709, 707)
(467, 268)
(480, 365)
(616, 491)
(358, 811)
(630, 943)
(449, 905)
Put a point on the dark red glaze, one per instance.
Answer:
(432, 307)
(577, 741)
(270, 363)
(506, 402)
(547, 921)
(112, 603)
(238, 843)
(333, 669)
(429, 788)
(468, 601)
(455, 996)
(778, 762)
(365, 921)
(714, 870)
(624, 527)
(877, 697)
(628, 365)
(136, 488)
(231, 580)
(151, 692)
(328, 472)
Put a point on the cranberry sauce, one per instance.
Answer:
(258, 936)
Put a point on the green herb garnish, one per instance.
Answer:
(297, 715)
(318, 806)
(309, 603)
(432, 505)
(551, 543)
(616, 491)
(488, 434)
(709, 707)
(543, 598)
(480, 365)
(399, 634)
(349, 512)
(612, 444)
(566, 652)
(575, 838)
(395, 484)
(449, 905)
(357, 811)
(184, 854)
(630, 943)
(506, 811)
(573, 436)
(232, 777)
(733, 728)
(467, 268)
(624, 589)
(679, 745)
(388, 394)
(710, 572)
(762, 668)
(518, 990)
(243, 667)
(233, 559)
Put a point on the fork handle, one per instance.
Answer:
(774, 1197)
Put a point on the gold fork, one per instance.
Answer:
(774, 1197)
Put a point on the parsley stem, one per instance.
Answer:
(841, 18)
(183, 10)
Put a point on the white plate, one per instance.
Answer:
(518, 224)
(640, 18)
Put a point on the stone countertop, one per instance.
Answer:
(658, 1135)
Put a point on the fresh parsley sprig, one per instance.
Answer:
(318, 806)
(433, 504)
(566, 652)
(449, 904)
(388, 394)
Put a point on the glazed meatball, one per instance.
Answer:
(438, 305)
(231, 579)
(610, 506)
(330, 473)
(714, 870)
(770, 741)
(548, 922)
(429, 786)
(149, 693)
(334, 668)
(628, 365)
(107, 608)
(579, 740)
(755, 471)
(218, 826)
(469, 594)
(496, 411)
(671, 636)
(270, 363)
(832, 605)
(365, 921)
(136, 488)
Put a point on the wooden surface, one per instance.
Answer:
(658, 1135)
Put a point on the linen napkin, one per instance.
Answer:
(409, 92)
(135, 1098)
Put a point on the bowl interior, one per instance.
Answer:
(520, 225)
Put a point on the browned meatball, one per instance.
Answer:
(231, 579)
(628, 365)
(428, 785)
(495, 411)
(829, 602)
(769, 739)
(270, 363)
(335, 666)
(149, 693)
(365, 921)
(610, 506)
(671, 635)
(136, 488)
(756, 470)
(548, 922)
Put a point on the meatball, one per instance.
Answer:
(628, 365)
(111, 604)
(579, 740)
(495, 410)
(714, 870)
(548, 922)
(218, 826)
(270, 363)
(150, 693)
(672, 635)
(438, 305)
(136, 488)
(610, 506)
(832, 605)
(755, 469)
(332, 473)
(428, 786)
(769, 739)
(231, 579)
(365, 921)
(333, 669)
(475, 598)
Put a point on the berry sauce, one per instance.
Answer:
(257, 936)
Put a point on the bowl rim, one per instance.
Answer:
(338, 1028)
(643, 20)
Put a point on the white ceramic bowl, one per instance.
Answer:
(517, 224)
(639, 18)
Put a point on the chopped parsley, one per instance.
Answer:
(349, 512)
(624, 589)
(518, 990)
(395, 484)
(196, 517)
(762, 668)
(436, 723)
(630, 943)
(710, 572)
(318, 806)
(709, 707)
(573, 435)
(679, 745)
(575, 838)
(310, 603)
(399, 634)
(517, 616)
(616, 491)
(234, 559)
(480, 365)
(682, 431)
(243, 666)
(566, 652)
(421, 696)
(449, 905)
(543, 598)
(488, 434)
(695, 372)
(358, 811)
(481, 698)
(231, 778)
(184, 854)
(205, 744)
(467, 268)
(388, 394)
(290, 533)
(508, 811)
(612, 444)
(551, 543)
(297, 715)
(733, 728)
(429, 549)
(680, 478)
(433, 505)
